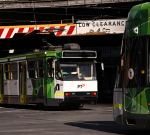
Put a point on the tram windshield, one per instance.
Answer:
(77, 71)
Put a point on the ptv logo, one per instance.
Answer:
(80, 86)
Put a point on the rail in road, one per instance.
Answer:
(14, 4)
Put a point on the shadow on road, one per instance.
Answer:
(110, 127)
(42, 108)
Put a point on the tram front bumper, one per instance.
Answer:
(80, 96)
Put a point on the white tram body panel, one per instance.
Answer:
(79, 86)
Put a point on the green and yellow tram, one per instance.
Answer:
(132, 87)
(50, 77)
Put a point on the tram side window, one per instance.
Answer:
(50, 65)
(31, 69)
(1, 72)
(39, 69)
(7, 72)
(149, 60)
(57, 71)
(14, 71)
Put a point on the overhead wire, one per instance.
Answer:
(98, 8)
(91, 17)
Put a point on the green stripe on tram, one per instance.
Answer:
(117, 105)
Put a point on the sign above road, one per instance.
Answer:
(103, 25)
(85, 27)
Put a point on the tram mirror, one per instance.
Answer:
(122, 62)
(57, 87)
(102, 66)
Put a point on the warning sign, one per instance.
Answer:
(130, 73)
(101, 25)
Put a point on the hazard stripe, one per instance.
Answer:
(9, 33)
(60, 32)
(25, 30)
(14, 31)
(59, 94)
(20, 30)
(1, 31)
(30, 29)
(51, 28)
(117, 105)
(71, 29)
(4, 33)
(41, 29)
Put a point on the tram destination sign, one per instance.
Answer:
(102, 25)
(83, 54)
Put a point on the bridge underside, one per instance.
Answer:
(14, 4)
(27, 15)
(32, 42)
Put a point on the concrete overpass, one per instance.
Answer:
(14, 4)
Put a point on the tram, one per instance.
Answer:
(131, 99)
(53, 77)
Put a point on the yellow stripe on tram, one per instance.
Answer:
(59, 94)
(117, 105)
(1, 97)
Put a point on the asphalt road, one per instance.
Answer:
(89, 120)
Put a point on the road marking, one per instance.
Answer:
(10, 111)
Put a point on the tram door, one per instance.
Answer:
(58, 82)
(22, 82)
(1, 84)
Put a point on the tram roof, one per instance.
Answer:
(138, 21)
(36, 55)
(31, 55)
(139, 11)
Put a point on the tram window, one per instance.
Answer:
(50, 66)
(14, 71)
(14, 75)
(149, 60)
(31, 73)
(57, 71)
(31, 64)
(39, 73)
(39, 69)
(7, 67)
(35, 71)
(1, 74)
(39, 64)
(13, 66)
(85, 69)
(31, 69)
(7, 72)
